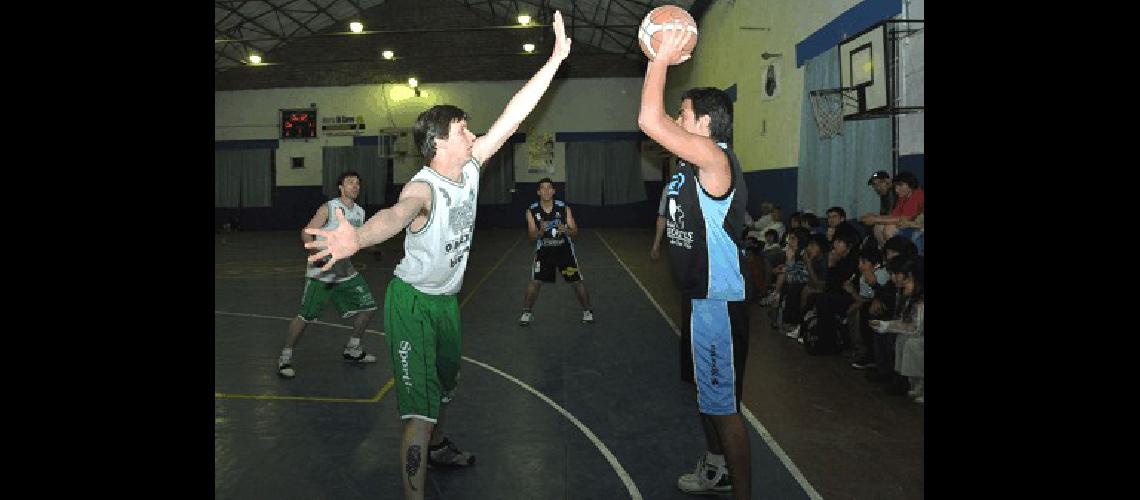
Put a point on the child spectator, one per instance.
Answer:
(908, 324)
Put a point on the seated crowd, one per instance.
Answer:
(850, 286)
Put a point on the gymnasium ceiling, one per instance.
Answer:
(308, 42)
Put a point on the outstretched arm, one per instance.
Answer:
(525, 100)
(700, 151)
(345, 240)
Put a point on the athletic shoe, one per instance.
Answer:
(525, 319)
(284, 369)
(445, 454)
(863, 364)
(587, 316)
(772, 298)
(706, 479)
(793, 332)
(358, 356)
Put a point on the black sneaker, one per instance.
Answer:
(446, 454)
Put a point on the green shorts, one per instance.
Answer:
(423, 342)
(350, 297)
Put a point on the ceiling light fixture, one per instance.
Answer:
(529, 47)
(254, 59)
(388, 54)
(356, 27)
(524, 19)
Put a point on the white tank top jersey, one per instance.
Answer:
(435, 257)
(342, 270)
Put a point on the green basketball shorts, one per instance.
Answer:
(350, 297)
(424, 344)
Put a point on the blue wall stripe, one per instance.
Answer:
(599, 136)
(777, 185)
(246, 144)
(915, 164)
(366, 140)
(858, 18)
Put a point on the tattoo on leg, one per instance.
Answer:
(413, 464)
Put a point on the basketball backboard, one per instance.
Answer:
(870, 60)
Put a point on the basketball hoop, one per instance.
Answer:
(828, 107)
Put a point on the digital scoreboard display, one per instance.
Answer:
(299, 123)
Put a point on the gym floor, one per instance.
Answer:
(557, 409)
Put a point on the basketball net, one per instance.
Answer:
(827, 105)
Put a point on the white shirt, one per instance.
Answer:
(435, 257)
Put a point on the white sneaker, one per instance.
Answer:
(793, 332)
(284, 369)
(525, 319)
(706, 479)
(587, 316)
(358, 355)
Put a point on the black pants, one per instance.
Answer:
(866, 334)
(830, 306)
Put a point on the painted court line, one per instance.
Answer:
(634, 492)
(760, 429)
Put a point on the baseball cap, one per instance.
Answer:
(882, 174)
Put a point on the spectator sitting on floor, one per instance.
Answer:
(908, 324)
(835, 216)
(842, 268)
(791, 277)
(911, 203)
(873, 279)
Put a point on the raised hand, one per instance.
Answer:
(340, 243)
(674, 36)
(561, 41)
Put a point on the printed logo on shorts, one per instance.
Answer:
(715, 371)
(405, 348)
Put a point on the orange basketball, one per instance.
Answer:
(649, 34)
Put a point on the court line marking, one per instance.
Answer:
(760, 429)
(631, 487)
(634, 493)
(270, 397)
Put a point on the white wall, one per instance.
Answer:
(571, 105)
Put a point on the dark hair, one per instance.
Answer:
(871, 254)
(802, 236)
(435, 123)
(809, 218)
(847, 233)
(347, 173)
(907, 178)
(545, 179)
(912, 265)
(821, 240)
(842, 213)
(773, 232)
(900, 244)
(715, 103)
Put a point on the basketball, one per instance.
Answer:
(649, 34)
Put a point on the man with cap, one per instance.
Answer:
(881, 183)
